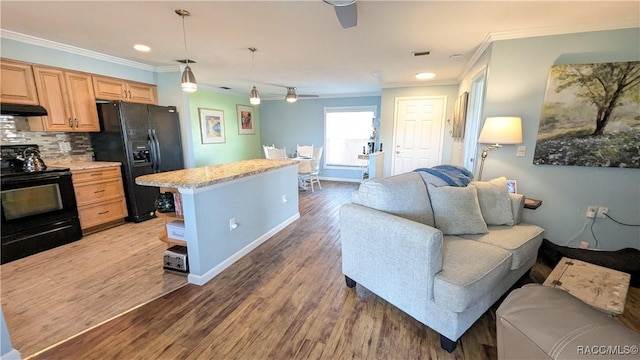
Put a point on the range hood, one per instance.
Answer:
(22, 110)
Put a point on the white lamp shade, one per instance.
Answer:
(501, 130)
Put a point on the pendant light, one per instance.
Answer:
(254, 97)
(291, 95)
(188, 79)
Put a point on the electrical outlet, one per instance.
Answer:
(284, 199)
(522, 151)
(232, 224)
(591, 212)
(602, 211)
(584, 245)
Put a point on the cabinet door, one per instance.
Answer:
(18, 84)
(106, 88)
(83, 102)
(142, 93)
(52, 91)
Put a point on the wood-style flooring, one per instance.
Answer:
(53, 295)
(287, 299)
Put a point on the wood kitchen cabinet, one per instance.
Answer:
(107, 88)
(100, 197)
(69, 99)
(18, 83)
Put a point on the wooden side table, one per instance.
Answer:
(532, 203)
(598, 286)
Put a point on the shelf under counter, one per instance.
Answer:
(164, 236)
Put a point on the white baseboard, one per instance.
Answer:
(340, 179)
(206, 277)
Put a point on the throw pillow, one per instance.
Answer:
(456, 210)
(495, 205)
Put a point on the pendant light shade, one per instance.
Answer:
(188, 79)
(291, 95)
(254, 96)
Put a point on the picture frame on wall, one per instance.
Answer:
(211, 126)
(460, 116)
(246, 124)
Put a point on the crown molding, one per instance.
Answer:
(32, 40)
(544, 31)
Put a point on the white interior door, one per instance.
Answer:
(418, 133)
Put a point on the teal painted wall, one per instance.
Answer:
(236, 147)
(516, 83)
(302, 122)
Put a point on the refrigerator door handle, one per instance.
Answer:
(158, 156)
(152, 150)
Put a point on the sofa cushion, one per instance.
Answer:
(521, 240)
(494, 200)
(403, 195)
(456, 210)
(470, 269)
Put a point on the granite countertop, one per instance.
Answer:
(213, 174)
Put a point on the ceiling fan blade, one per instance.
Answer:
(347, 15)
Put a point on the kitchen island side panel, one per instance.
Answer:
(261, 205)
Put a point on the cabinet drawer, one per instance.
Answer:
(80, 176)
(87, 193)
(98, 214)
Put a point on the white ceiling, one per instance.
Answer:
(301, 43)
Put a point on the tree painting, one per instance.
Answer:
(591, 116)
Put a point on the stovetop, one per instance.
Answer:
(11, 162)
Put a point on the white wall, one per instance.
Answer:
(516, 83)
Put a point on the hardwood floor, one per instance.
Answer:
(287, 299)
(51, 296)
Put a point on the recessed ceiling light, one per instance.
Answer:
(425, 76)
(143, 48)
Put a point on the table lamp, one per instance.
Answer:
(497, 131)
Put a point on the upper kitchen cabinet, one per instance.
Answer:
(18, 84)
(107, 88)
(69, 99)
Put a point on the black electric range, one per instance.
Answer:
(39, 209)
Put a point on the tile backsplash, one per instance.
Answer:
(16, 131)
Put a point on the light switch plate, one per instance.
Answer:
(522, 150)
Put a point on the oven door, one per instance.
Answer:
(39, 212)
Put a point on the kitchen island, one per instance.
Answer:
(259, 196)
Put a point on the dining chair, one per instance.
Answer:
(267, 147)
(275, 153)
(315, 167)
(305, 151)
(304, 173)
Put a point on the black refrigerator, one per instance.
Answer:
(146, 140)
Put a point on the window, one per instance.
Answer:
(347, 131)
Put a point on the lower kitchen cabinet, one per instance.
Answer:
(100, 198)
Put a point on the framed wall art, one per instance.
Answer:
(460, 116)
(211, 126)
(245, 120)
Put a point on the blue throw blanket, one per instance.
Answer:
(452, 174)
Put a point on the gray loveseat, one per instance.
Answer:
(393, 244)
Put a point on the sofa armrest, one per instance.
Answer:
(517, 206)
(394, 257)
